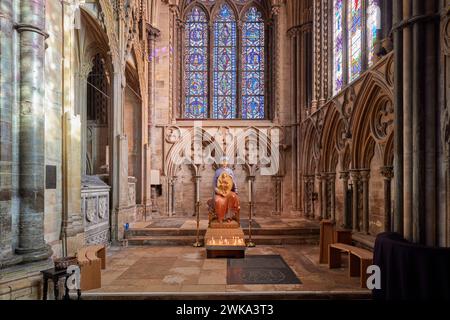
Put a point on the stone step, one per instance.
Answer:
(151, 232)
(189, 240)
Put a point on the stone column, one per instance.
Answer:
(324, 196)
(32, 123)
(365, 176)
(320, 196)
(172, 203)
(425, 122)
(355, 176)
(7, 257)
(278, 195)
(345, 176)
(305, 196)
(332, 195)
(407, 122)
(398, 120)
(388, 174)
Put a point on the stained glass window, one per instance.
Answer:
(253, 65)
(355, 38)
(373, 25)
(224, 79)
(338, 46)
(217, 55)
(196, 65)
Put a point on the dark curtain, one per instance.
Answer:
(409, 271)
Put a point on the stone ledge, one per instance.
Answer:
(23, 281)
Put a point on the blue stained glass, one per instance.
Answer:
(224, 78)
(355, 35)
(373, 25)
(338, 53)
(196, 65)
(253, 56)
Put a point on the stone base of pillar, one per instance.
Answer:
(23, 281)
(33, 255)
(9, 260)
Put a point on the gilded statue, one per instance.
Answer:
(225, 206)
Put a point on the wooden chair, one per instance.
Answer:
(91, 260)
(358, 260)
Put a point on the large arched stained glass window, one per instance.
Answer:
(355, 37)
(373, 27)
(253, 65)
(224, 74)
(225, 86)
(196, 65)
(338, 46)
(356, 31)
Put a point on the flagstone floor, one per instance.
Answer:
(162, 270)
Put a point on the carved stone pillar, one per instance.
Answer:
(332, 188)
(306, 196)
(320, 196)
(388, 174)
(172, 202)
(324, 209)
(407, 122)
(32, 123)
(278, 195)
(398, 119)
(7, 257)
(356, 178)
(345, 176)
(365, 176)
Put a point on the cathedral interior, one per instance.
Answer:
(116, 117)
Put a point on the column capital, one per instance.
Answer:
(365, 175)
(387, 173)
(344, 175)
(355, 175)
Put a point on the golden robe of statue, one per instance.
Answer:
(225, 200)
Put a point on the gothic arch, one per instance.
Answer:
(372, 118)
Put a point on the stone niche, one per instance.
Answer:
(95, 209)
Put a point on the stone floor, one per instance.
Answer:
(191, 223)
(159, 271)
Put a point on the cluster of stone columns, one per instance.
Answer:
(416, 146)
(308, 196)
(327, 195)
(301, 42)
(31, 124)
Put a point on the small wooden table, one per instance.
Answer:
(54, 275)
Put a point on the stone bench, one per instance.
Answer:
(91, 260)
(358, 260)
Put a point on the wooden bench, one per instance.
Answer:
(358, 260)
(91, 260)
(330, 234)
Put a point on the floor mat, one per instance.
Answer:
(269, 269)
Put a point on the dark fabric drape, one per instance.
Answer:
(409, 271)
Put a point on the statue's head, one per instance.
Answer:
(224, 162)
